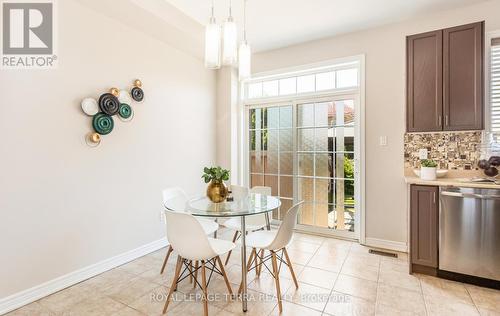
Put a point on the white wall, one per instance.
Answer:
(63, 205)
(386, 216)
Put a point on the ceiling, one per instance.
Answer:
(279, 23)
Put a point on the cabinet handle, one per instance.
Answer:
(446, 120)
(439, 120)
(434, 197)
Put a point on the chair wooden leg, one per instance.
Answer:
(224, 275)
(204, 288)
(174, 282)
(291, 268)
(195, 273)
(229, 253)
(248, 268)
(261, 262)
(169, 251)
(277, 279)
(191, 271)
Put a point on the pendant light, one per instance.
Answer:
(230, 44)
(212, 43)
(244, 53)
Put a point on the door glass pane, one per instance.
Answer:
(344, 204)
(321, 214)
(306, 216)
(286, 204)
(286, 140)
(272, 117)
(306, 139)
(256, 140)
(324, 165)
(271, 181)
(306, 164)
(286, 117)
(324, 190)
(306, 189)
(271, 162)
(305, 115)
(286, 163)
(286, 187)
(322, 113)
(256, 179)
(255, 119)
(256, 162)
(271, 139)
(321, 139)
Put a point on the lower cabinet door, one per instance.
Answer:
(424, 214)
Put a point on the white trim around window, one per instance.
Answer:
(294, 99)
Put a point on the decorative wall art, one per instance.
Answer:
(113, 103)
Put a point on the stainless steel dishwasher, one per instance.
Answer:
(469, 231)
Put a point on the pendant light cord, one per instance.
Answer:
(245, 20)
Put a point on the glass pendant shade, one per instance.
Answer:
(230, 45)
(244, 61)
(212, 45)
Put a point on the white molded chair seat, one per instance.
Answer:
(220, 246)
(254, 222)
(176, 199)
(235, 223)
(209, 226)
(260, 239)
(274, 242)
(188, 238)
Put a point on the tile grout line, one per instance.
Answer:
(336, 279)
(472, 299)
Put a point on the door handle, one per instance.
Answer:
(471, 195)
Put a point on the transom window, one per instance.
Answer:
(321, 79)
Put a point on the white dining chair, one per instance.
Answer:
(254, 222)
(275, 242)
(176, 199)
(191, 242)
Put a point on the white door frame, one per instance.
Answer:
(360, 206)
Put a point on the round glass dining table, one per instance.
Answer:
(253, 204)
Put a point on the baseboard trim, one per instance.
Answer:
(22, 298)
(386, 244)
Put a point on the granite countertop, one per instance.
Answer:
(454, 178)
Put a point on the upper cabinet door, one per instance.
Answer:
(424, 82)
(463, 77)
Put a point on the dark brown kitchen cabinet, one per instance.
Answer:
(463, 77)
(424, 209)
(425, 81)
(445, 79)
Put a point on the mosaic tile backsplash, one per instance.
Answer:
(453, 150)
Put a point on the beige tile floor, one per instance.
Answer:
(336, 277)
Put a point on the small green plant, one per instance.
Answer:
(428, 163)
(215, 173)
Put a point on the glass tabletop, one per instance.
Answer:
(251, 205)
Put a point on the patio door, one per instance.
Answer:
(308, 149)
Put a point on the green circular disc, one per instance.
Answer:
(102, 123)
(125, 110)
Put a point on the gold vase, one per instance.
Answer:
(217, 191)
